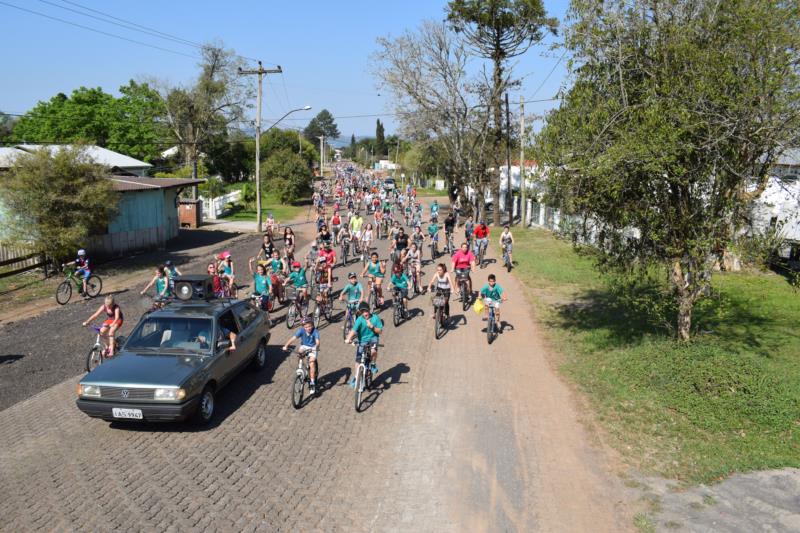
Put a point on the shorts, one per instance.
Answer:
(323, 287)
(509, 247)
(403, 292)
(310, 350)
(488, 302)
(357, 235)
(83, 273)
(111, 322)
(361, 347)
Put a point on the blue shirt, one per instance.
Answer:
(307, 339)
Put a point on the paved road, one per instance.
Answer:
(457, 436)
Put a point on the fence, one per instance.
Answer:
(215, 208)
(15, 260)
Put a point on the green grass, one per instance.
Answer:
(281, 212)
(429, 191)
(25, 287)
(726, 402)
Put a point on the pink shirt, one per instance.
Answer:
(463, 260)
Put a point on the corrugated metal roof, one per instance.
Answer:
(8, 156)
(789, 158)
(130, 183)
(102, 156)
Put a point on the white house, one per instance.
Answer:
(115, 161)
(386, 164)
(779, 204)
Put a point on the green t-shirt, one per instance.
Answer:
(262, 283)
(401, 281)
(353, 292)
(433, 229)
(276, 265)
(492, 293)
(298, 278)
(363, 333)
(161, 283)
(374, 269)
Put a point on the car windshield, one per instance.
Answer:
(172, 335)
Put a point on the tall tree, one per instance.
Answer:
(380, 139)
(677, 113)
(217, 98)
(53, 201)
(352, 150)
(499, 30)
(6, 125)
(322, 124)
(288, 175)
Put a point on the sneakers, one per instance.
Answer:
(374, 369)
(352, 383)
(312, 388)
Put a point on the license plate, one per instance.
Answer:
(127, 413)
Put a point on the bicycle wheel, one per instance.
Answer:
(373, 301)
(368, 378)
(298, 386)
(291, 315)
(94, 285)
(94, 359)
(397, 316)
(490, 328)
(437, 323)
(317, 313)
(464, 296)
(359, 386)
(64, 292)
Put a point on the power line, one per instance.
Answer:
(101, 32)
(550, 74)
(139, 27)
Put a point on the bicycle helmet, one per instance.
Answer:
(363, 306)
(81, 252)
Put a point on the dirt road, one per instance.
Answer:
(457, 436)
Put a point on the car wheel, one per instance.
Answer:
(260, 359)
(206, 406)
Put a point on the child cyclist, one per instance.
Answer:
(111, 324)
(309, 345)
(367, 329)
(492, 294)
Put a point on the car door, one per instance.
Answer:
(228, 358)
(247, 316)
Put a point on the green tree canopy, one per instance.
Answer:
(380, 139)
(677, 113)
(322, 124)
(53, 202)
(287, 174)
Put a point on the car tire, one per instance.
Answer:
(205, 407)
(260, 358)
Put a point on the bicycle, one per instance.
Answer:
(99, 352)
(506, 258)
(321, 309)
(434, 247)
(372, 299)
(462, 276)
(94, 284)
(491, 324)
(450, 247)
(481, 253)
(363, 372)
(438, 300)
(349, 320)
(298, 307)
(345, 248)
(158, 303)
(399, 308)
(301, 376)
(257, 299)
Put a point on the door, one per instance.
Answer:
(227, 324)
(247, 316)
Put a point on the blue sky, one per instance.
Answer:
(323, 47)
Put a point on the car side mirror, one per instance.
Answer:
(223, 345)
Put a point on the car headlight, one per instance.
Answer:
(169, 394)
(92, 391)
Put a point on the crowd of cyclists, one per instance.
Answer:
(353, 211)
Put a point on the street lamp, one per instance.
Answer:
(258, 157)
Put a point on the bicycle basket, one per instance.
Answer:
(290, 293)
(438, 301)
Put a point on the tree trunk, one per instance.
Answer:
(497, 141)
(685, 305)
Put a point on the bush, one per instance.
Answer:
(288, 175)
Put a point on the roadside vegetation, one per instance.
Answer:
(697, 411)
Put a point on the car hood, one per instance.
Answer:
(146, 369)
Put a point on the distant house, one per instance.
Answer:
(148, 207)
(779, 204)
(118, 163)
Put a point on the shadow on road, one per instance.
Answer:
(382, 382)
(8, 359)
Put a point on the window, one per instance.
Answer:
(227, 322)
(246, 314)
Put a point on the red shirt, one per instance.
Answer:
(330, 257)
(481, 232)
(463, 260)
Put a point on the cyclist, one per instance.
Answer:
(469, 228)
(111, 324)
(433, 232)
(399, 242)
(262, 283)
(336, 224)
(353, 291)
(443, 282)
(172, 273)
(507, 242)
(218, 282)
(481, 233)
(267, 246)
(413, 258)
(226, 270)
(83, 268)
(400, 282)
(435, 210)
(463, 262)
(277, 270)
(161, 281)
(329, 254)
(324, 236)
(492, 294)
(366, 239)
(288, 244)
(297, 277)
(311, 255)
(375, 270)
(356, 221)
(309, 345)
(271, 225)
(325, 272)
(367, 328)
(449, 226)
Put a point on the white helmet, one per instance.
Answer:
(81, 252)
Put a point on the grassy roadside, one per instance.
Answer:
(281, 212)
(727, 402)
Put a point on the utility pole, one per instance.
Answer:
(261, 71)
(396, 159)
(522, 186)
(509, 195)
(321, 155)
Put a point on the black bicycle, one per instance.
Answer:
(345, 249)
(439, 300)
(400, 312)
(491, 324)
(462, 277)
(349, 318)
